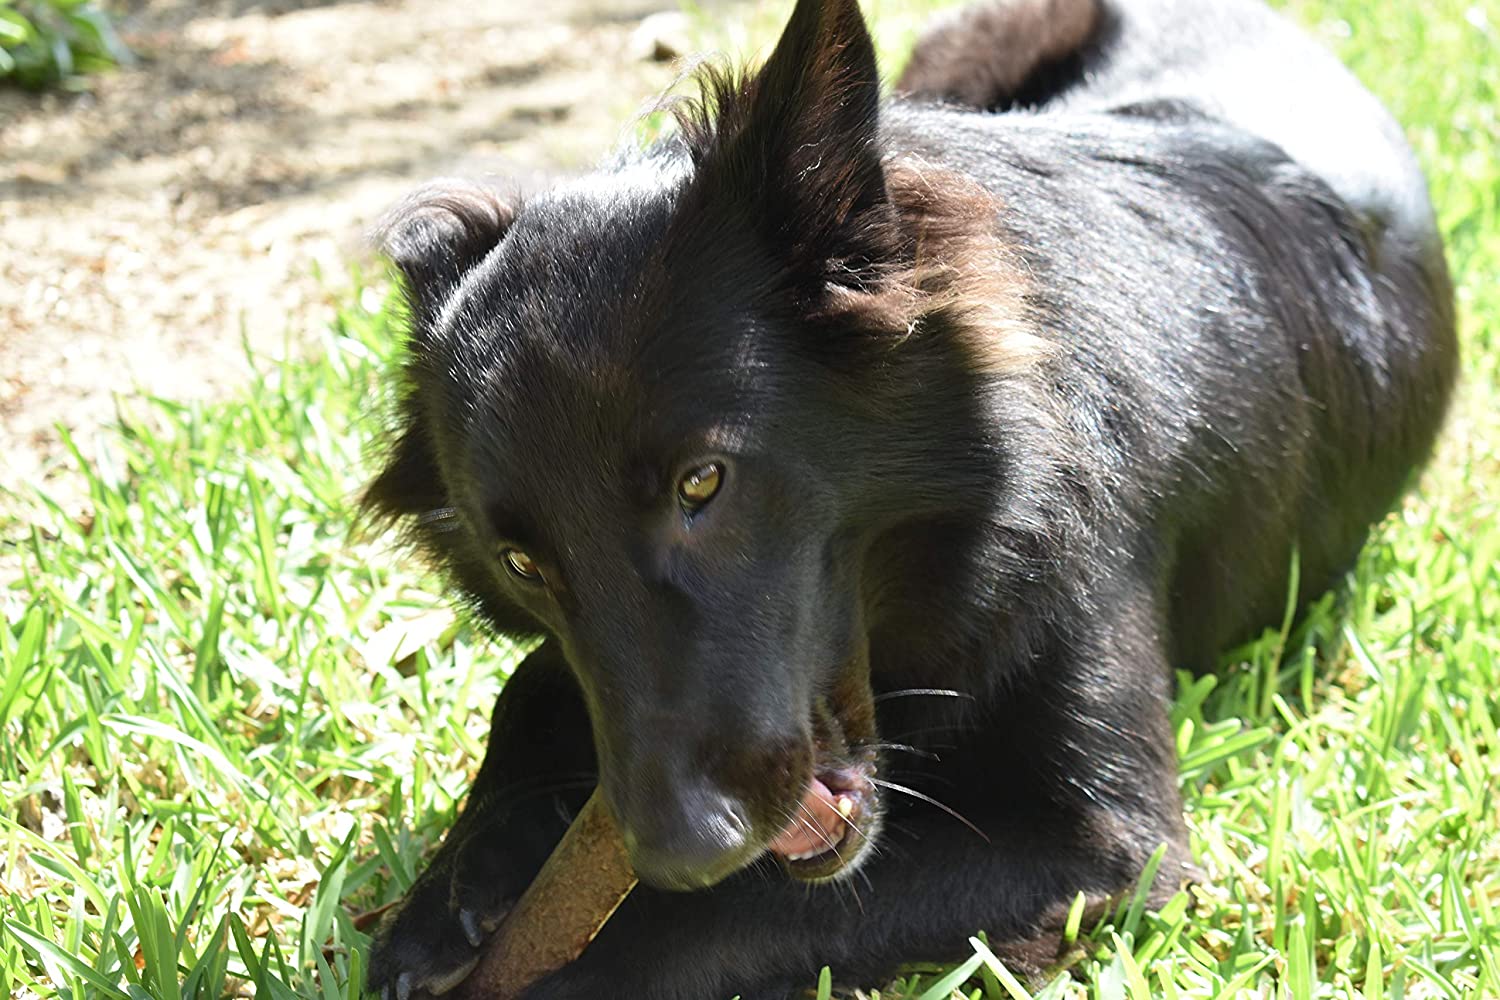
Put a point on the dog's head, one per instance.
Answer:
(656, 414)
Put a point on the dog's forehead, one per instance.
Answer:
(582, 306)
(573, 351)
(572, 274)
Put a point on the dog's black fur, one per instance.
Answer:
(1024, 386)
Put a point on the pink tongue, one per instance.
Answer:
(817, 828)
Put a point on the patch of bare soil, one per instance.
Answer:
(144, 225)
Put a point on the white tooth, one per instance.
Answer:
(845, 806)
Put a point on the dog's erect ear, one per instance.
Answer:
(803, 137)
(437, 234)
(816, 116)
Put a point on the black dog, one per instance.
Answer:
(837, 451)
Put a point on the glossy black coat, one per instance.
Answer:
(1235, 338)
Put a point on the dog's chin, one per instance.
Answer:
(834, 824)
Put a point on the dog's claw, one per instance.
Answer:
(473, 930)
(450, 979)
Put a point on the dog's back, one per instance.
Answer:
(1149, 124)
(1233, 60)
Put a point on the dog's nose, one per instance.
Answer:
(689, 842)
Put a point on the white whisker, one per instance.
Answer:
(932, 802)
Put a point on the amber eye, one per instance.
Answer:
(699, 486)
(521, 565)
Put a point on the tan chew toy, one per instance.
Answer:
(577, 890)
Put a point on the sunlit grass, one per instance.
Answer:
(230, 726)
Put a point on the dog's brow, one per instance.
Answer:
(507, 522)
(729, 437)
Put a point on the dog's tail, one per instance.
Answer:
(998, 55)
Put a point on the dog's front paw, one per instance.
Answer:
(434, 940)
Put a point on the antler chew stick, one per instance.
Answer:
(587, 876)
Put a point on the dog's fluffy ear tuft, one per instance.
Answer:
(802, 139)
(409, 484)
(438, 233)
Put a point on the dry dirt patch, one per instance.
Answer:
(146, 224)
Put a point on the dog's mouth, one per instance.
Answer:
(837, 816)
(833, 823)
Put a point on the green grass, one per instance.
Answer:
(49, 43)
(229, 726)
